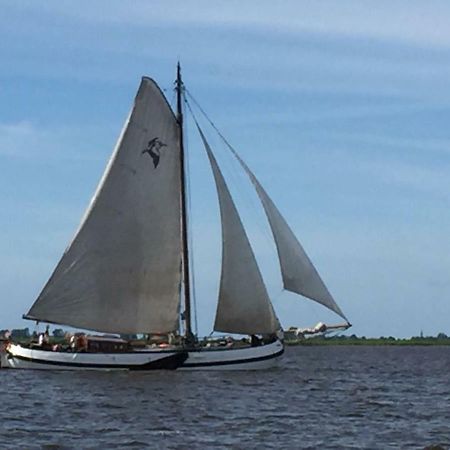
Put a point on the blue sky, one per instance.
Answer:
(340, 108)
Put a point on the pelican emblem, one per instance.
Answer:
(153, 149)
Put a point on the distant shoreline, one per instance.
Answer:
(354, 340)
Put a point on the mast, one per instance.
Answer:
(184, 225)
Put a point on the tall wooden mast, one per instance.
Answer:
(184, 224)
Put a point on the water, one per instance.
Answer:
(320, 397)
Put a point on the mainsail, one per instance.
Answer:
(244, 306)
(122, 271)
(298, 273)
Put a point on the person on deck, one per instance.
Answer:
(82, 343)
(46, 336)
(255, 341)
(73, 343)
(44, 339)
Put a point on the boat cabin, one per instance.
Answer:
(106, 344)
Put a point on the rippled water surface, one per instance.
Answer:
(320, 397)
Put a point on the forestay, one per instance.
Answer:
(122, 271)
(244, 306)
(298, 273)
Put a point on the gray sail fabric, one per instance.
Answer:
(244, 306)
(122, 271)
(298, 273)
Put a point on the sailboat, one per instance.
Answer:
(127, 269)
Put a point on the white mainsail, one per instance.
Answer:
(244, 306)
(298, 273)
(122, 271)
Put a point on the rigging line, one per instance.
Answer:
(238, 180)
(276, 285)
(191, 226)
(252, 211)
(250, 203)
(211, 123)
(194, 117)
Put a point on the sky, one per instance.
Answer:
(341, 108)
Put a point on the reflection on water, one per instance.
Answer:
(320, 397)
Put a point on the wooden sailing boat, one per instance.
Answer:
(123, 270)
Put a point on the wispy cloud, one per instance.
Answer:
(429, 180)
(412, 21)
(18, 138)
(422, 144)
(30, 141)
(303, 45)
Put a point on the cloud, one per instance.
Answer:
(31, 141)
(17, 139)
(388, 141)
(413, 21)
(296, 46)
(428, 180)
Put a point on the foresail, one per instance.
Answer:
(122, 271)
(298, 273)
(244, 306)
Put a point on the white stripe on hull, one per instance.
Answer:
(247, 358)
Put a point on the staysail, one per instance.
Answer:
(298, 273)
(244, 306)
(122, 271)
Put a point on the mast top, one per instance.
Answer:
(178, 81)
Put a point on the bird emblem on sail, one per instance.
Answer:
(153, 149)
